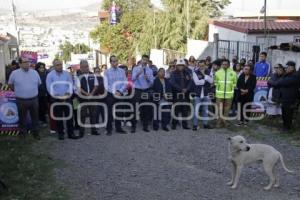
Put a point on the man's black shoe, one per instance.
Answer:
(186, 127)
(36, 136)
(95, 133)
(121, 131)
(165, 129)
(146, 130)
(73, 137)
(81, 134)
(61, 137)
(155, 129)
(173, 127)
(207, 127)
(108, 133)
(132, 130)
(195, 128)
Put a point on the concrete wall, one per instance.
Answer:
(157, 57)
(4, 60)
(279, 38)
(277, 56)
(199, 48)
(2, 63)
(225, 34)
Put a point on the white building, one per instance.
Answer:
(8, 52)
(252, 31)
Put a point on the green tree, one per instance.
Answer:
(182, 15)
(122, 39)
(81, 48)
(66, 48)
(142, 27)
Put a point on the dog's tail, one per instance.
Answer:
(283, 164)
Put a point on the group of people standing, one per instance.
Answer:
(200, 90)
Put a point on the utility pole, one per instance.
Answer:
(265, 20)
(15, 25)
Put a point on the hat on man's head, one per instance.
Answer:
(290, 63)
(180, 61)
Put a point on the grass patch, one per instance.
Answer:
(272, 127)
(28, 173)
(269, 127)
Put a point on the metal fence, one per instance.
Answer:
(240, 49)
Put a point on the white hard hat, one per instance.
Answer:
(181, 61)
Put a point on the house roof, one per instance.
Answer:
(270, 13)
(257, 26)
(103, 14)
(4, 38)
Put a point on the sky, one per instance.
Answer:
(241, 5)
(24, 5)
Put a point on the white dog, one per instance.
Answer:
(242, 153)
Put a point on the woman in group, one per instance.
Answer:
(274, 108)
(238, 70)
(162, 94)
(245, 86)
(43, 107)
(99, 92)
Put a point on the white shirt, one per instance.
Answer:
(197, 81)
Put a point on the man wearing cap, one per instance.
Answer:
(225, 82)
(274, 107)
(181, 83)
(288, 86)
(25, 83)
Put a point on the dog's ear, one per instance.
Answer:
(229, 138)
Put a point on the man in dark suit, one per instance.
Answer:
(288, 85)
(181, 82)
(87, 85)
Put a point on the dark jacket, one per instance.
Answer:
(249, 85)
(42, 88)
(158, 89)
(276, 92)
(197, 89)
(100, 89)
(289, 87)
(84, 83)
(179, 81)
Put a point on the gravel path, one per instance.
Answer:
(182, 165)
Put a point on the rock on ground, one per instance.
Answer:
(179, 165)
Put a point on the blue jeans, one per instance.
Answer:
(203, 108)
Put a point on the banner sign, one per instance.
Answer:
(30, 55)
(114, 12)
(8, 112)
(260, 94)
